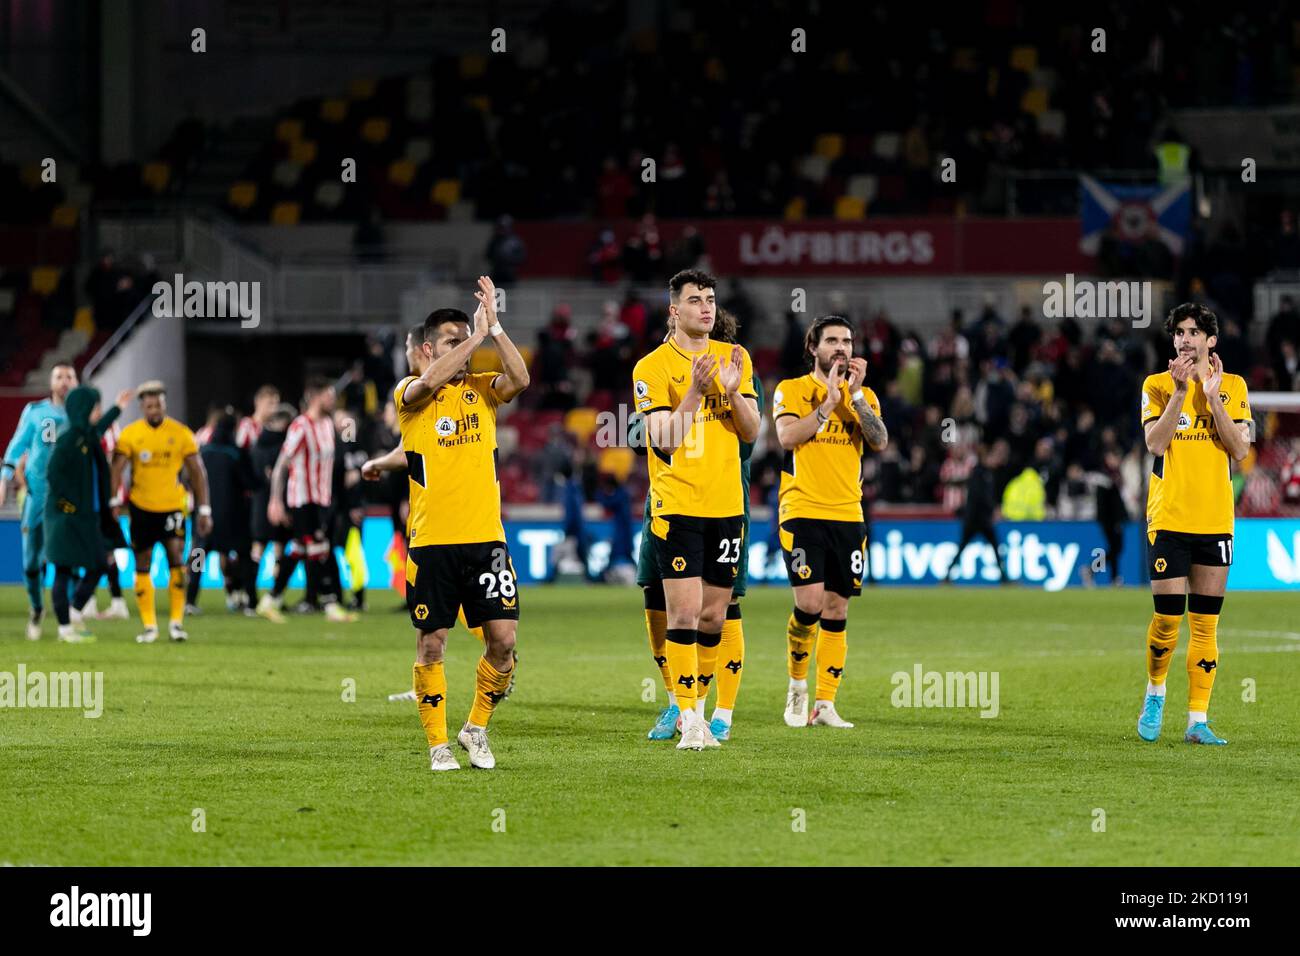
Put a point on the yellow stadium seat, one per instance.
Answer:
(795, 209)
(401, 173)
(850, 207)
(963, 59)
(581, 423)
(303, 152)
(485, 360)
(1024, 58)
(243, 194)
(288, 130)
(616, 461)
(472, 66)
(1034, 101)
(481, 103)
(156, 176)
(829, 145)
(375, 129)
(65, 216)
(84, 321)
(45, 279)
(285, 214)
(362, 88)
(446, 192)
(334, 110)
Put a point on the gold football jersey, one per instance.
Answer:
(156, 456)
(701, 479)
(451, 457)
(822, 478)
(1191, 483)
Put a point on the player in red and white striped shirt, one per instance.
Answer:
(265, 402)
(306, 465)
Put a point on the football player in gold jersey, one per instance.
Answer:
(158, 449)
(823, 421)
(1196, 418)
(697, 396)
(395, 460)
(457, 556)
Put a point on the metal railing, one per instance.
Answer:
(137, 316)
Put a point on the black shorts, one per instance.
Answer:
(309, 521)
(707, 548)
(443, 578)
(155, 527)
(830, 553)
(1172, 553)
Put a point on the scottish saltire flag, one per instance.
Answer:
(1130, 213)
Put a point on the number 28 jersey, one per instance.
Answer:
(451, 457)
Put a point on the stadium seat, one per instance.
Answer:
(362, 88)
(472, 66)
(445, 192)
(65, 215)
(795, 209)
(850, 208)
(156, 176)
(334, 110)
(829, 145)
(616, 461)
(863, 187)
(1051, 123)
(485, 360)
(581, 423)
(401, 172)
(375, 129)
(85, 321)
(418, 150)
(814, 168)
(242, 195)
(45, 279)
(1024, 58)
(329, 194)
(285, 214)
(288, 130)
(286, 173)
(1034, 101)
(303, 151)
(886, 146)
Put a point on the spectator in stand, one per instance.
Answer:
(633, 315)
(613, 190)
(1284, 327)
(603, 259)
(368, 238)
(1286, 243)
(741, 304)
(554, 362)
(505, 252)
(1023, 339)
(980, 510)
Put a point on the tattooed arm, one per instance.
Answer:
(873, 426)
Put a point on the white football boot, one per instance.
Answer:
(474, 740)
(693, 730)
(825, 715)
(796, 706)
(441, 758)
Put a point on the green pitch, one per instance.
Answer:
(246, 729)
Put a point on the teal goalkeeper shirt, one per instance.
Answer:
(39, 427)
